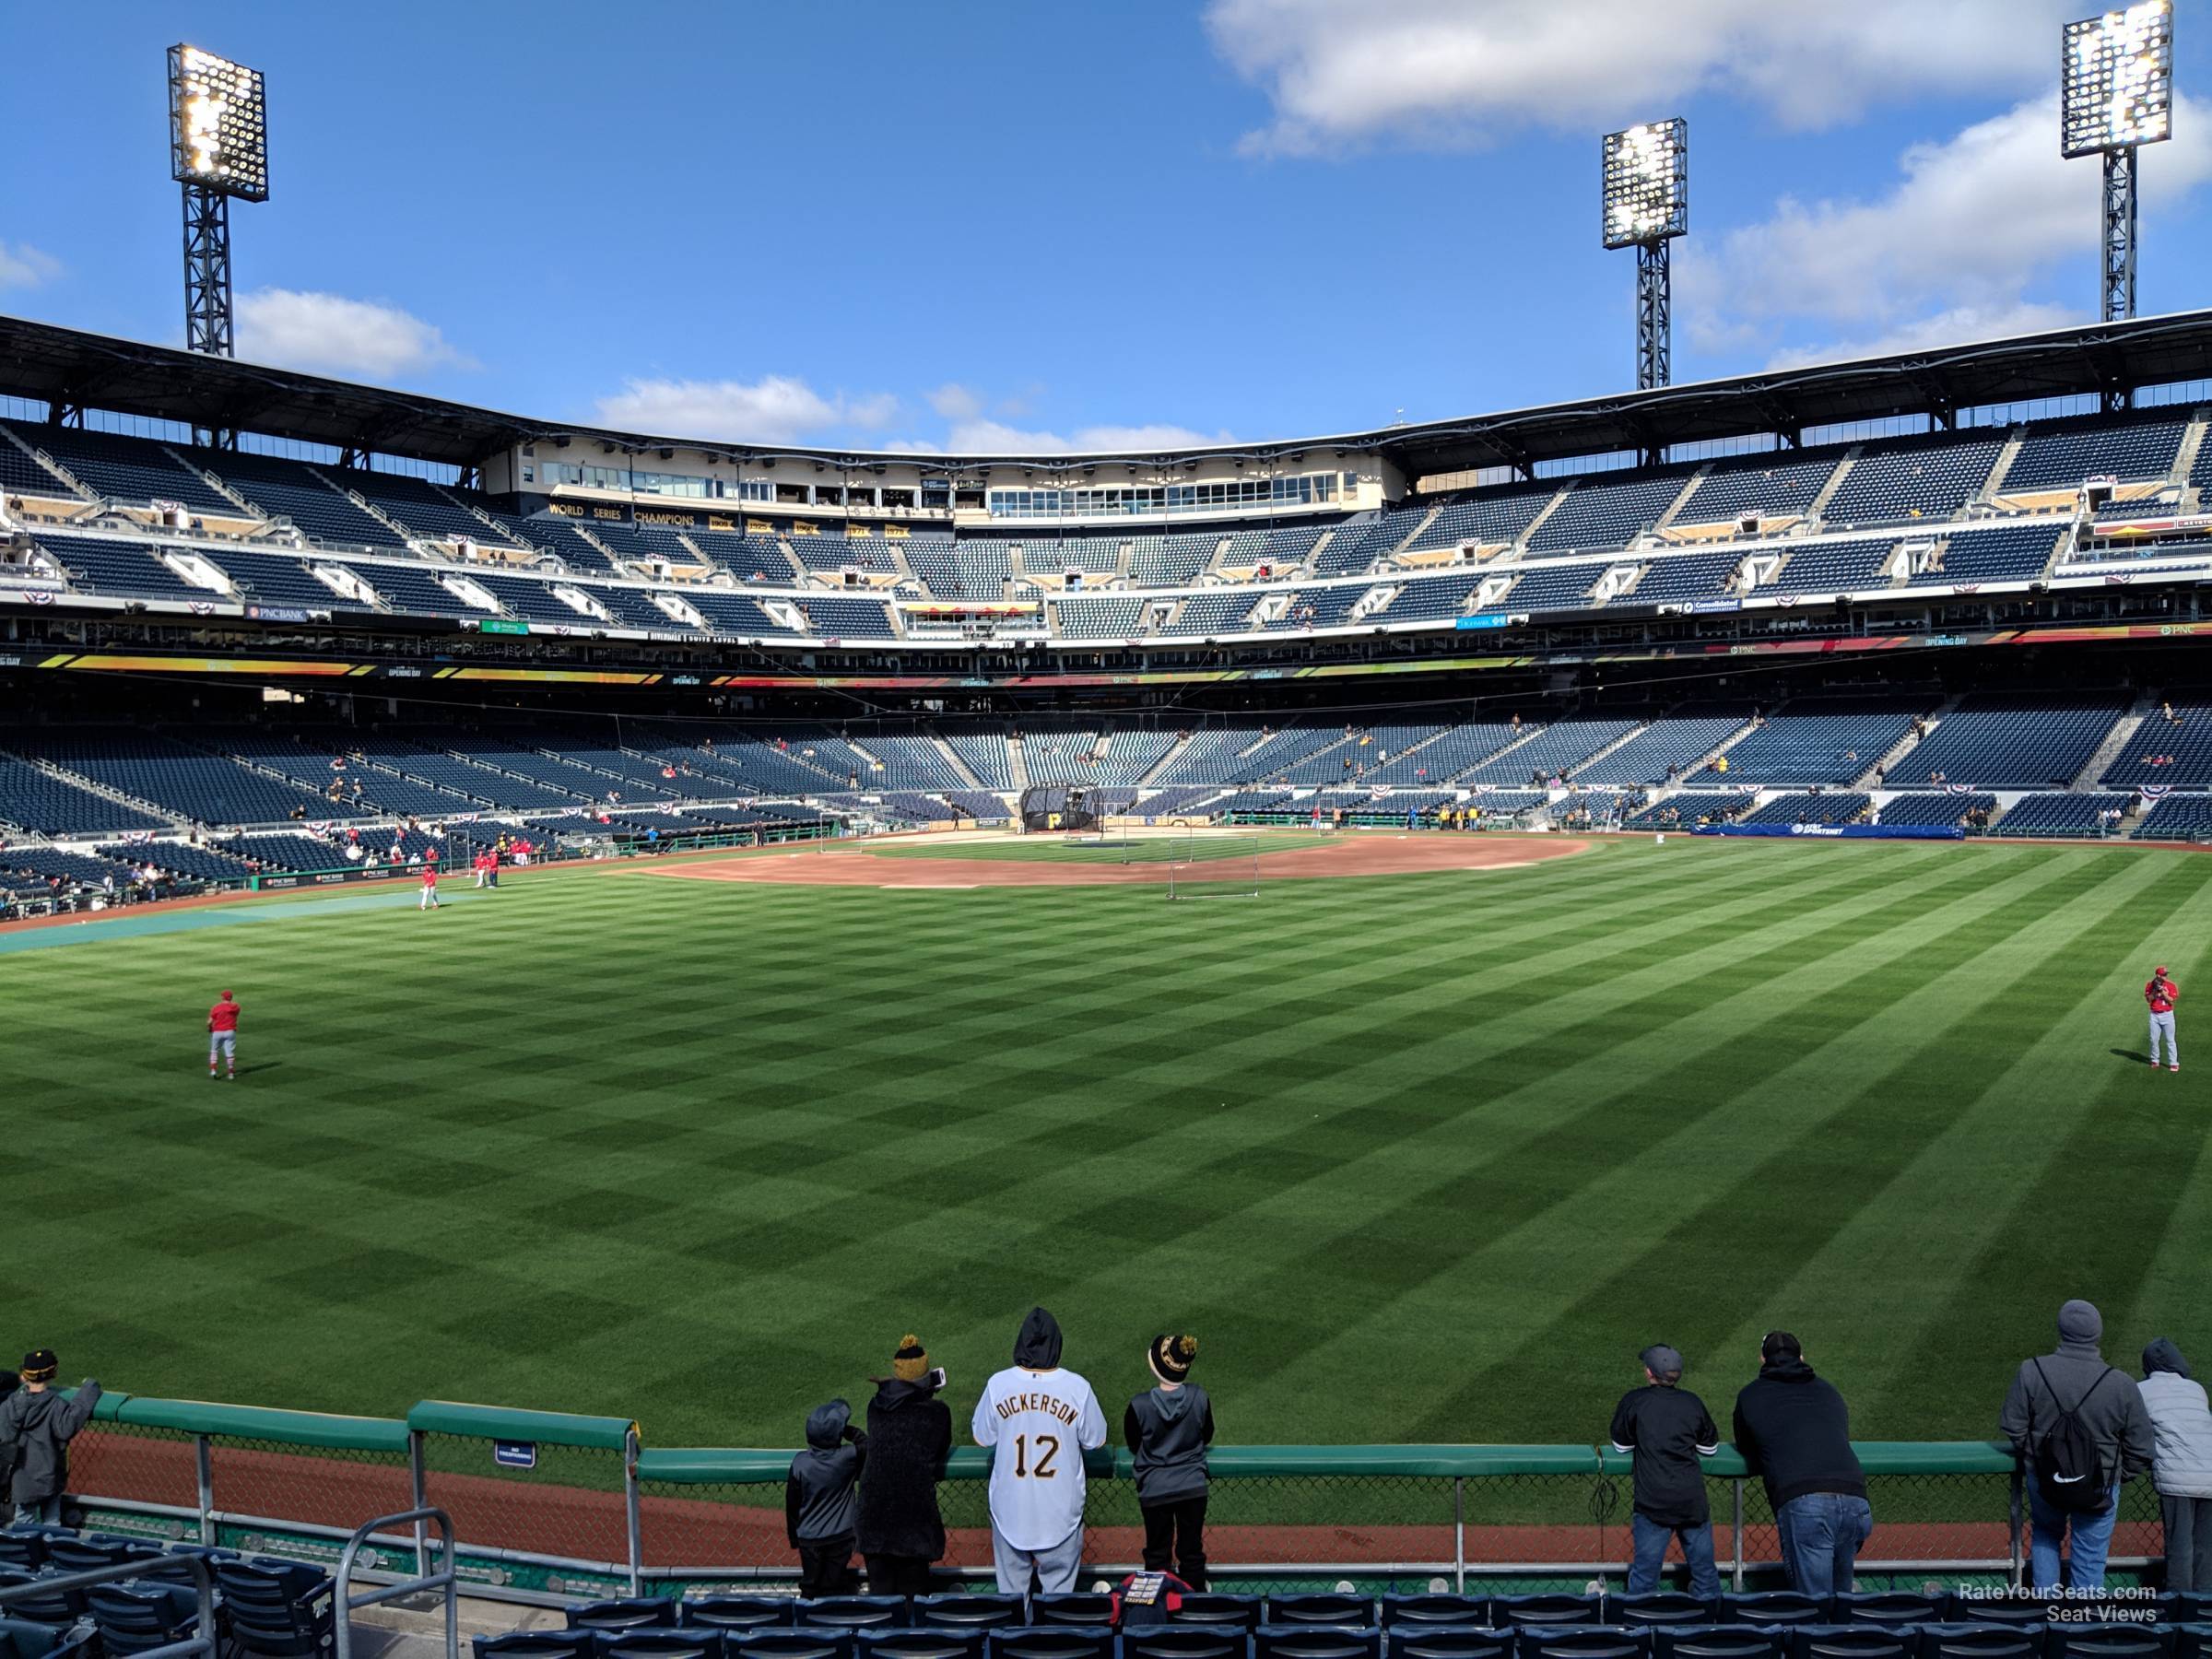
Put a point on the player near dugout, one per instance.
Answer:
(2161, 993)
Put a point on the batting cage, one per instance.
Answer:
(1213, 865)
(1067, 808)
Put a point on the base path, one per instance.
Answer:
(1354, 854)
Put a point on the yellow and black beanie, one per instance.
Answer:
(39, 1366)
(911, 1363)
(1170, 1357)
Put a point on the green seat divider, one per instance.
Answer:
(508, 1423)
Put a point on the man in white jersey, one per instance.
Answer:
(1040, 1419)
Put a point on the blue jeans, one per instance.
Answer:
(2093, 1536)
(1650, 1540)
(1821, 1533)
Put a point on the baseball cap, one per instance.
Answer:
(2157, 973)
(1661, 1361)
(1779, 1345)
(226, 996)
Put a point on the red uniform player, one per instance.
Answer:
(429, 887)
(222, 1035)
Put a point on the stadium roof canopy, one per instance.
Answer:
(76, 370)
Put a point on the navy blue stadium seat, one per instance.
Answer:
(1585, 1642)
(804, 1642)
(1445, 1641)
(22, 1639)
(1317, 1642)
(46, 1607)
(672, 1641)
(1086, 1607)
(274, 1611)
(2182, 1606)
(1660, 1607)
(23, 1546)
(1186, 1641)
(1457, 1611)
(1330, 1608)
(134, 1618)
(1052, 1641)
(1545, 1609)
(1981, 1641)
(853, 1613)
(737, 1612)
(921, 1642)
(957, 1612)
(1851, 1641)
(1887, 1608)
(2018, 1611)
(2109, 1641)
(539, 1645)
(83, 1553)
(622, 1613)
(1210, 1607)
(1718, 1642)
(1774, 1607)
(2193, 1640)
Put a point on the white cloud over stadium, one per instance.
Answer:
(330, 334)
(22, 266)
(776, 408)
(1341, 73)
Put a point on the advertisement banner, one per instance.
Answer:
(1840, 831)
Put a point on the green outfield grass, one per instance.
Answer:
(1422, 1158)
(1133, 847)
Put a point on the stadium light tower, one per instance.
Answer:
(2116, 78)
(218, 147)
(1646, 200)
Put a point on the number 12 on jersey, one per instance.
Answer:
(1048, 1448)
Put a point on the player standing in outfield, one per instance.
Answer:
(1040, 1419)
(2161, 993)
(429, 887)
(222, 1035)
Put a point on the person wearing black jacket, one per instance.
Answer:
(1168, 1430)
(1670, 1431)
(900, 1529)
(819, 1504)
(10, 1382)
(1794, 1429)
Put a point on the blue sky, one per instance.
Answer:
(976, 223)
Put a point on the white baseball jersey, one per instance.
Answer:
(1041, 1423)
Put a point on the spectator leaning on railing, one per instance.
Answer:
(1792, 1428)
(2080, 1428)
(1671, 1433)
(36, 1427)
(2180, 1427)
(900, 1529)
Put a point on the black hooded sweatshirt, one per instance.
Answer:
(1038, 1345)
(1792, 1428)
(910, 1431)
(819, 1506)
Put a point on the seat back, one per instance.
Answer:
(2109, 1641)
(672, 1641)
(1981, 1641)
(1186, 1641)
(96, 1549)
(1317, 1642)
(1445, 1641)
(1545, 1609)
(1660, 1607)
(1591, 1642)
(1851, 1641)
(1052, 1641)
(798, 1642)
(1088, 1608)
(1886, 1608)
(921, 1642)
(622, 1613)
(738, 1612)
(1718, 1642)
(1774, 1607)
(853, 1613)
(22, 1546)
(958, 1612)
(1319, 1609)
(1207, 1607)
(537, 1644)
(1459, 1612)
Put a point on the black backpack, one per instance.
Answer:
(2067, 1463)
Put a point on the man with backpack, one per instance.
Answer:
(2080, 1428)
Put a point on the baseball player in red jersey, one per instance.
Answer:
(429, 887)
(222, 1035)
(2161, 993)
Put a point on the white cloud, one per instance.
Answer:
(1948, 252)
(1451, 72)
(22, 266)
(956, 402)
(993, 437)
(1958, 325)
(330, 334)
(776, 408)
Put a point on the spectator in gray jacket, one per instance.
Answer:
(36, 1427)
(2107, 1404)
(2181, 1426)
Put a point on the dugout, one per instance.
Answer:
(1064, 807)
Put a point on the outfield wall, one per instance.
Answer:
(549, 1507)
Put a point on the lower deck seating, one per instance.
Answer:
(2059, 815)
(2181, 818)
(1823, 808)
(1937, 809)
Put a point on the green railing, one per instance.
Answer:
(549, 1506)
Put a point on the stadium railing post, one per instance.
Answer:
(631, 1509)
(1459, 1534)
(203, 1457)
(1735, 1571)
(420, 1500)
(2013, 1521)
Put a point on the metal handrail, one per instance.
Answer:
(203, 1579)
(447, 1580)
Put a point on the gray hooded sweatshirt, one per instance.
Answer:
(821, 1503)
(2180, 1424)
(2072, 1379)
(35, 1432)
